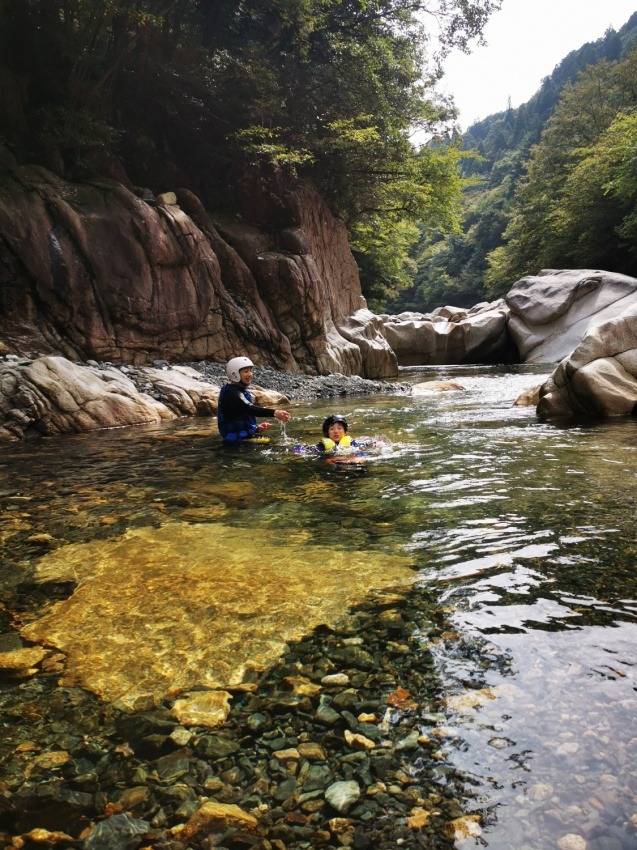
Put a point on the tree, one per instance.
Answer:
(188, 91)
(456, 266)
(575, 205)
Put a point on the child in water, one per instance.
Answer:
(337, 446)
(336, 440)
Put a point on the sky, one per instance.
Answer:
(526, 39)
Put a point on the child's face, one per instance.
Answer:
(336, 431)
(246, 375)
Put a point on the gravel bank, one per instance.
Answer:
(299, 387)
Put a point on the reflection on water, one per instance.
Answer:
(523, 529)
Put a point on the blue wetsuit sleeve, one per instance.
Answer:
(237, 406)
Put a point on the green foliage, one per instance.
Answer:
(263, 143)
(576, 205)
(428, 189)
(191, 90)
(455, 267)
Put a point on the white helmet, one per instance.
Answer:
(233, 366)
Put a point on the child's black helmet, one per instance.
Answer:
(334, 420)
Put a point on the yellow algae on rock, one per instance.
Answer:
(205, 708)
(418, 818)
(48, 761)
(470, 699)
(358, 741)
(464, 827)
(162, 610)
(301, 686)
(22, 661)
(44, 836)
(312, 751)
(213, 816)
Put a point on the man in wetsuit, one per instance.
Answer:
(236, 413)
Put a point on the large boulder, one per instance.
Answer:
(92, 270)
(551, 312)
(52, 395)
(366, 330)
(600, 376)
(450, 335)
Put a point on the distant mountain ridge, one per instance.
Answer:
(451, 269)
(494, 136)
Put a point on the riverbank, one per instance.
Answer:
(54, 395)
(298, 387)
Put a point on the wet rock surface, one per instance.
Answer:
(52, 395)
(599, 378)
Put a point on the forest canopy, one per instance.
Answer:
(182, 92)
(577, 203)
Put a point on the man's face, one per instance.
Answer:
(246, 375)
(336, 431)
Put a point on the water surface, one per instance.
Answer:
(525, 531)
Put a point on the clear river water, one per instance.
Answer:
(157, 561)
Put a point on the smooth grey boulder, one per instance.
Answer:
(600, 376)
(451, 336)
(551, 312)
(53, 395)
(365, 330)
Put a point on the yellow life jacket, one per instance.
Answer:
(329, 446)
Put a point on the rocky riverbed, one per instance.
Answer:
(336, 745)
(487, 704)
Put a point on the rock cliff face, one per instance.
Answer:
(551, 312)
(90, 270)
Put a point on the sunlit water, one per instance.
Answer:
(525, 530)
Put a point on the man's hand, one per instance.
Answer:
(263, 426)
(282, 415)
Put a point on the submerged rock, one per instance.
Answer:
(572, 841)
(427, 387)
(206, 708)
(211, 608)
(342, 795)
(22, 662)
(216, 817)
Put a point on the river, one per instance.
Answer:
(152, 561)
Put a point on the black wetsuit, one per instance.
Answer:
(236, 413)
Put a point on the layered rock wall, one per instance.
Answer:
(90, 270)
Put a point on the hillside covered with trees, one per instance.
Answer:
(167, 93)
(553, 183)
